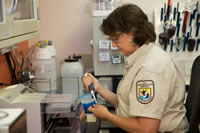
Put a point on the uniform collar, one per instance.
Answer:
(137, 54)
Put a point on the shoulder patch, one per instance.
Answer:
(145, 91)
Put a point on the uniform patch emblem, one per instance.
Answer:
(145, 91)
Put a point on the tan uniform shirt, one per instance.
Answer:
(152, 86)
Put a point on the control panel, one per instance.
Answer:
(104, 44)
(104, 56)
(116, 59)
(107, 60)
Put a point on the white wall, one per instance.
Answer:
(69, 23)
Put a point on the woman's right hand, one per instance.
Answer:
(87, 79)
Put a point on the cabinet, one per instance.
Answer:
(19, 21)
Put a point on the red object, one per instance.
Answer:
(168, 6)
(185, 21)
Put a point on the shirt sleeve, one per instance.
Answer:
(149, 95)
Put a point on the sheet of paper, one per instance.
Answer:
(91, 118)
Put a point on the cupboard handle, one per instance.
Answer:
(15, 6)
(38, 13)
(10, 9)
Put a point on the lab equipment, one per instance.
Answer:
(197, 30)
(191, 44)
(104, 44)
(91, 89)
(168, 8)
(191, 41)
(197, 45)
(172, 25)
(62, 113)
(171, 45)
(103, 50)
(185, 22)
(26, 75)
(45, 112)
(170, 29)
(13, 120)
(163, 38)
(174, 15)
(103, 4)
(71, 73)
(80, 60)
(161, 15)
(185, 42)
(44, 65)
(179, 43)
(104, 57)
(116, 59)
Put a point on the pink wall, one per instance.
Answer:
(68, 23)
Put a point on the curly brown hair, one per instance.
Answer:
(127, 19)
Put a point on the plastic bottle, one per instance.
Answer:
(45, 70)
(74, 56)
(71, 74)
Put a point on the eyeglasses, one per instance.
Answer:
(115, 38)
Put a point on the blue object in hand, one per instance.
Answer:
(87, 105)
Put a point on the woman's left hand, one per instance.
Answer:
(99, 111)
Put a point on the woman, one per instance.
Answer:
(150, 96)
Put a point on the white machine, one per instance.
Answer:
(13, 120)
(45, 112)
(104, 55)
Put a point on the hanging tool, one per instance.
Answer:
(185, 21)
(197, 45)
(168, 8)
(161, 15)
(177, 7)
(191, 42)
(174, 15)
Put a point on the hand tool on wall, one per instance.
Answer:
(185, 22)
(191, 42)
(168, 8)
(197, 45)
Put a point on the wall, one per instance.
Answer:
(148, 6)
(69, 23)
